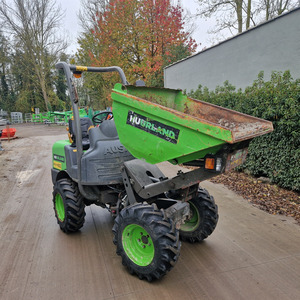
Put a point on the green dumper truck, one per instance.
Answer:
(110, 161)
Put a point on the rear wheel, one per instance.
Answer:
(68, 205)
(203, 218)
(147, 241)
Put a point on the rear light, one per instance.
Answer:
(213, 163)
(219, 164)
(210, 163)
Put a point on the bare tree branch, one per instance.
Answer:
(33, 26)
(242, 13)
(89, 13)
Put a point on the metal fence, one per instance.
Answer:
(16, 117)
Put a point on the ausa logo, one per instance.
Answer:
(156, 128)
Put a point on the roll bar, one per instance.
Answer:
(68, 70)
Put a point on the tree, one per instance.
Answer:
(7, 93)
(137, 35)
(33, 24)
(273, 8)
(88, 14)
(24, 83)
(176, 53)
(240, 15)
(4, 61)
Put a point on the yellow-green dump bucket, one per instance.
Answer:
(157, 124)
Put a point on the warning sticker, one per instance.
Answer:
(57, 165)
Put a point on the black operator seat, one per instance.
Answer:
(85, 124)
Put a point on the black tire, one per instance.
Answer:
(68, 205)
(203, 220)
(159, 257)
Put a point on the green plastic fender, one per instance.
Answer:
(58, 155)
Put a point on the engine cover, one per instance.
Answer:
(102, 162)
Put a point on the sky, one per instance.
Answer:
(72, 28)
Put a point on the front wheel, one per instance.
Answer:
(203, 218)
(147, 241)
(68, 205)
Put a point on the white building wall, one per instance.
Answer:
(271, 46)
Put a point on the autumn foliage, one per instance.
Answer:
(138, 35)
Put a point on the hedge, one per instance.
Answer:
(275, 155)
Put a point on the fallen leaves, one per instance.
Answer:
(264, 195)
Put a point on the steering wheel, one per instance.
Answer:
(101, 116)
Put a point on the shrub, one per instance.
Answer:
(275, 155)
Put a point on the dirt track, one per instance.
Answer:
(251, 254)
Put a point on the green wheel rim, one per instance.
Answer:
(138, 245)
(193, 223)
(59, 207)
